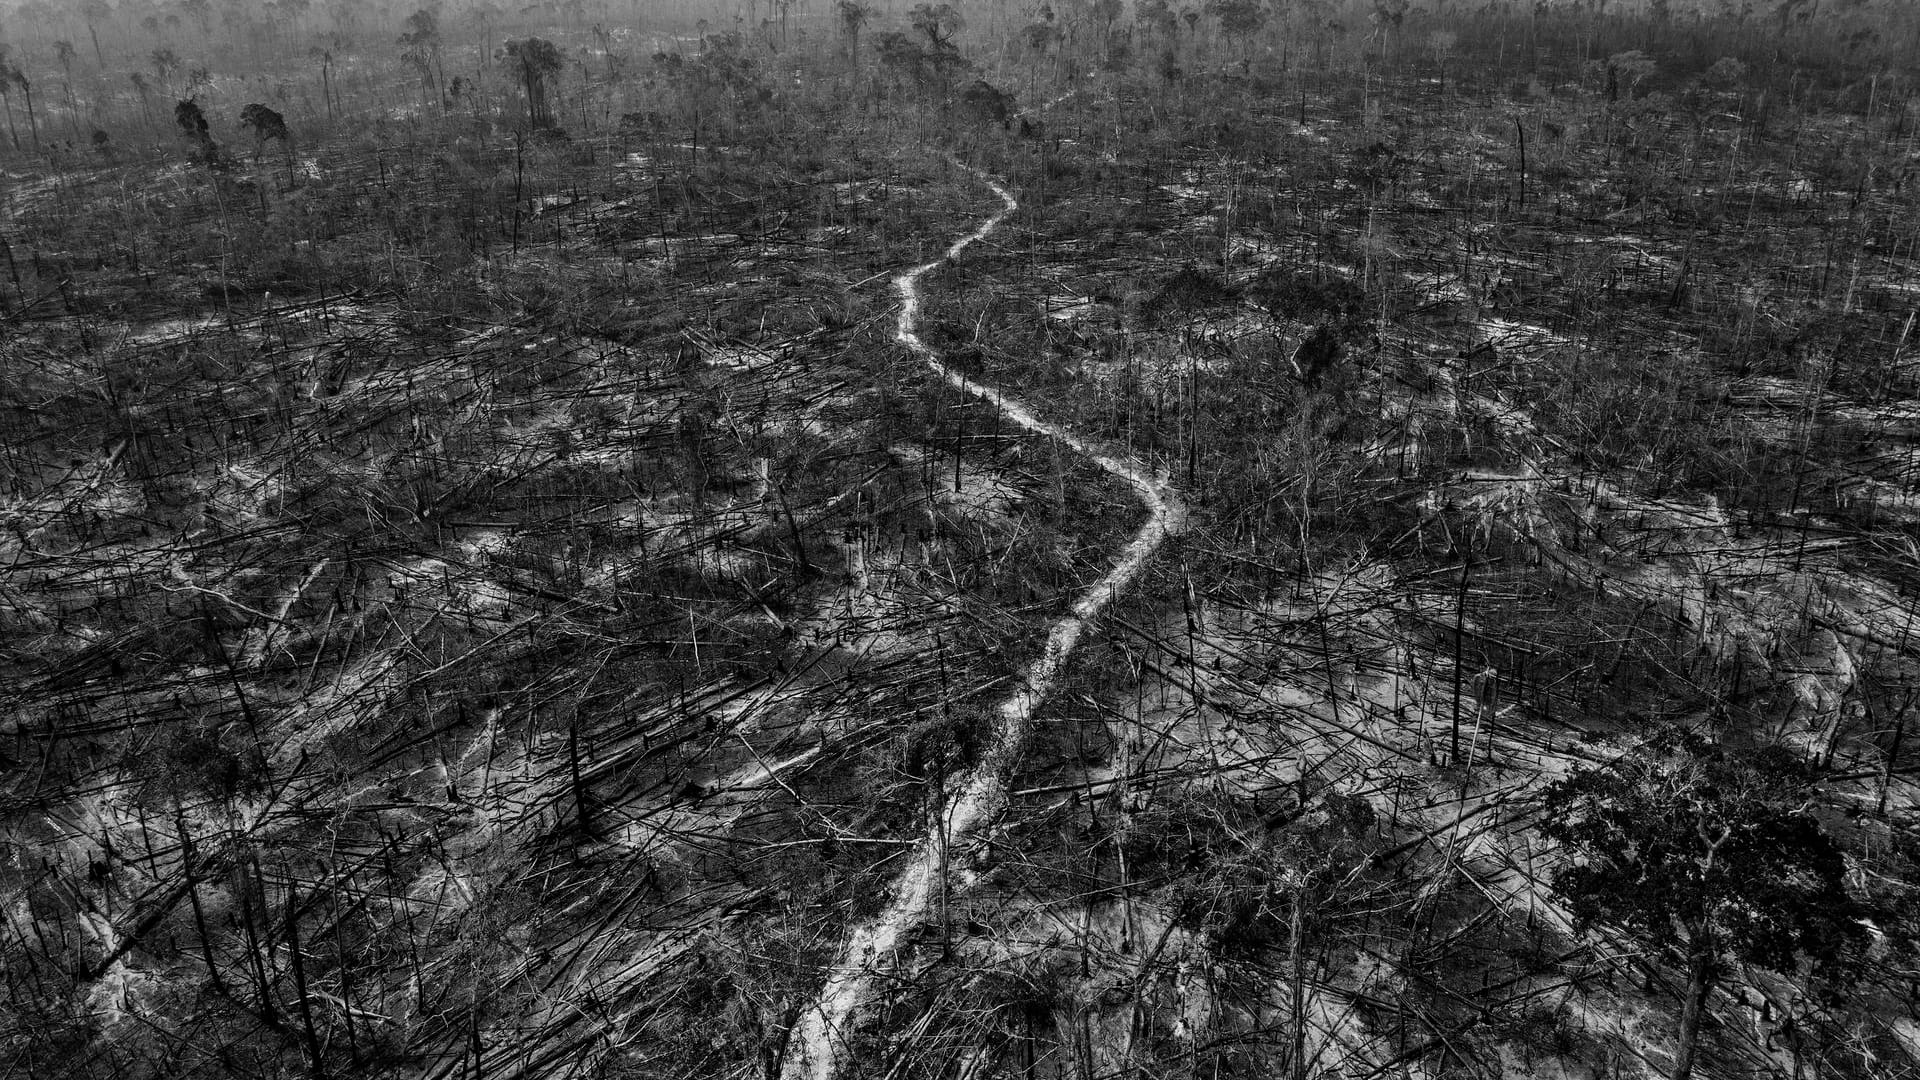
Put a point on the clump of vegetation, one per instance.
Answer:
(1713, 854)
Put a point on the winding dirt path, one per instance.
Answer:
(820, 1039)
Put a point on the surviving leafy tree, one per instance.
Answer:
(939, 22)
(266, 123)
(1712, 855)
(535, 64)
(420, 48)
(852, 17)
(1241, 21)
(910, 66)
(193, 124)
(985, 103)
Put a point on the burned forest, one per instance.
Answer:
(982, 540)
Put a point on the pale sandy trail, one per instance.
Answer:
(819, 1042)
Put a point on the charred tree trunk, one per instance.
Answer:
(1699, 984)
(1295, 934)
(33, 122)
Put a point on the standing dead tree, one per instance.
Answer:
(15, 77)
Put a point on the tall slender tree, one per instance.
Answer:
(165, 63)
(145, 90)
(6, 92)
(534, 63)
(94, 12)
(26, 91)
(420, 47)
(268, 124)
(63, 51)
(853, 16)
